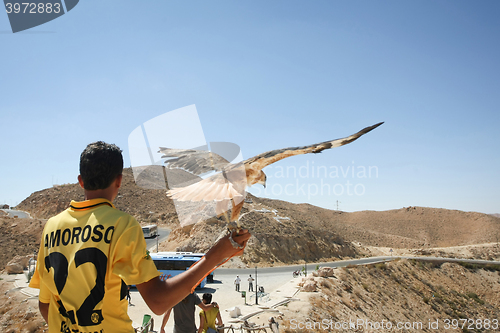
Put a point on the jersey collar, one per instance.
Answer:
(89, 204)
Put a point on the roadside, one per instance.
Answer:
(279, 288)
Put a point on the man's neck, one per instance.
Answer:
(96, 194)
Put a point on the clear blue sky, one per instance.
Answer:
(269, 75)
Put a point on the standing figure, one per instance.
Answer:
(250, 283)
(129, 299)
(237, 282)
(184, 314)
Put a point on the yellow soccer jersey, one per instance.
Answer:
(210, 317)
(88, 255)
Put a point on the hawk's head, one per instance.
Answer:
(261, 178)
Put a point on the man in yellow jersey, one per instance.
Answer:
(90, 253)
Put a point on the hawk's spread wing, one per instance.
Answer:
(231, 181)
(195, 161)
(220, 188)
(262, 160)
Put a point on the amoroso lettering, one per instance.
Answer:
(77, 235)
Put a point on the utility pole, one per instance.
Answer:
(157, 235)
(337, 205)
(256, 288)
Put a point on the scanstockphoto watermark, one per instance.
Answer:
(312, 180)
(330, 325)
(464, 324)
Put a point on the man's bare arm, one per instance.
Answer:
(219, 320)
(44, 310)
(163, 295)
(164, 321)
(206, 307)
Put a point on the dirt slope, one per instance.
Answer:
(410, 227)
(147, 202)
(417, 296)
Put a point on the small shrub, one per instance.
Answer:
(326, 283)
(475, 298)
(395, 277)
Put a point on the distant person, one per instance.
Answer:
(90, 252)
(237, 282)
(208, 317)
(250, 283)
(184, 321)
(129, 299)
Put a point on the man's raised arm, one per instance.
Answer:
(162, 295)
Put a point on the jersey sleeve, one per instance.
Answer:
(45, 294)
(131, 260)
(36, 281)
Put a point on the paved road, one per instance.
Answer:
(20, 214)
(272, 277)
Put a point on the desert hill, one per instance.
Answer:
(284, 232)
(146, 202)
(273, 241)
(149, 204)
(409, 227)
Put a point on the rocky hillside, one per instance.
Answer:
(18, 237)
(147, 201)
(410, 227)
(413, 295)
(284, 232)
(273, 241)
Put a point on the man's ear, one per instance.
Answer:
(80, 181)
(118, 180)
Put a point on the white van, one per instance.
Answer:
(150, 231)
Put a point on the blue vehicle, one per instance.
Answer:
(170, 264)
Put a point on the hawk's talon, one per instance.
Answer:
(233, 242)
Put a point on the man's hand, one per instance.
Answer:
(224, 248)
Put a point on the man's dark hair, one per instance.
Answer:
(100, 164)
(207, 297)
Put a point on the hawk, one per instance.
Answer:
(228, 185)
